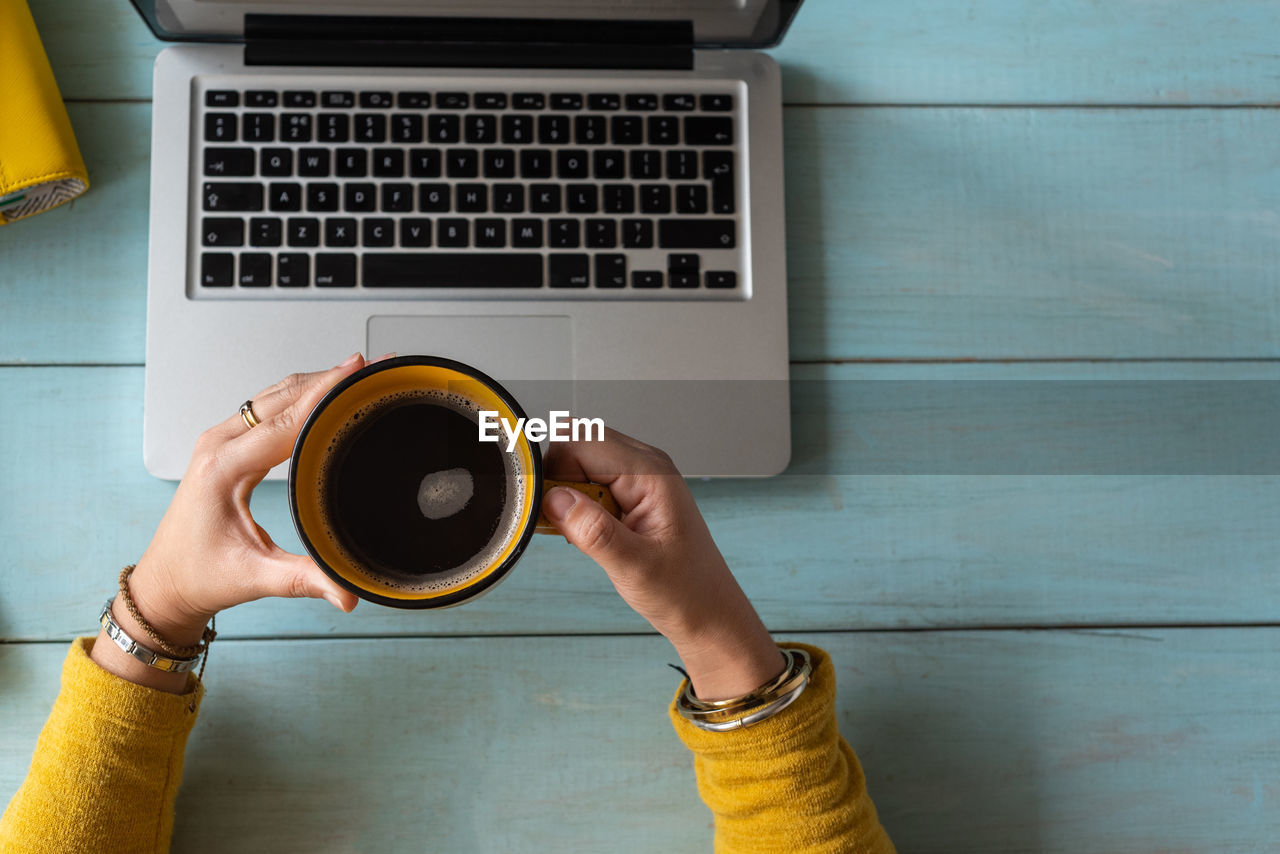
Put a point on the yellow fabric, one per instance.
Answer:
(106, 769)
(39, 158)
(790, 784)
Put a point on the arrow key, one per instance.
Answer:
(708, 130)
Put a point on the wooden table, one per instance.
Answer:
(1043, 644)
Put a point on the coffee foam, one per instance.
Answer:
(508, 527)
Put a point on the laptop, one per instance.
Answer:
(582, 199)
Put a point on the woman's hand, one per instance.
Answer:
(208, 554)
(662, 560)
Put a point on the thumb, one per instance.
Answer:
(297, 576)
(591, 528)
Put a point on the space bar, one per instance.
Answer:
(452, 270)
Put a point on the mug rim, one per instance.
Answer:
(457, 597)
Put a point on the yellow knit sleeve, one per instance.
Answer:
(106, 768)
(790, 784)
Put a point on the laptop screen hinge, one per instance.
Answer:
(342, 40)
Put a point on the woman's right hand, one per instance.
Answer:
(662, 560)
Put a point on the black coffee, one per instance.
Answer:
(414, 497)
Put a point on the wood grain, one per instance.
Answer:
(991, 742)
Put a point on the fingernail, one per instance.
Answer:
(350, 360)
(385, 356)
(332, 599)
(559, 501)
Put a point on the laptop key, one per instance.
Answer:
(219, 127)
(322, 197)
(626, 130)
(517, 130)
(683, 262)
(222, 231)
(529, 101)
(285, 197)
(217, 269)
(276, 162)
(491, 233)
(352, 162)
(293, 270)
(553, 130)
(340, 232)
(637, 233)
(221, 98)
(313, 163)
(453, 101)
(568, 271)
(655, 198)
(499, 163)
(397, 198)
(338, 99)
(229, 162)
(526, 233)
(229, 196)
(544, 198)
(265, 231)
(691, 198)
(642, 102)
(379, 232)
(424, 162)
(602, 234)
(609, 163)
(646, 163)
(582, 198)
(563, 233)
(535, 163)
(375, 100)
(335, 270)
(708, 130)
(406, 128)
(259, 98)
(295, 127)
(696, 233)
(491, 100)
(717, 103)
(682, 164)
(663, 130)
(299, 99)
(371, 127)
(481, 129)
(448, 270)
(718, 167)
(255, 270)
(472, 198)
(259, 127)
(589, 130)
(453, 232)
(722, 278)
(604, 101)
(462, 163)
(566, 101)
(333, 127)
(571, 163)
(619, 198)
(433, 198)
(646, 279)
(684, 280)
(388, 163)
(413, 100)
(415, 233)
(678, 102)
(303, 231)
(611, 271)
(359, 197)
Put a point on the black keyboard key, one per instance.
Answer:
(293, 270)
(563, 233)
(691, 198)
(619, 198)
(388, 163)
(230, 196)
(568, 271)
(566, 101)
(259, 98)
(217, 269)
(604, 101)
(447, 270)
(322, 197)
(601, 233)
(335, 271)
(333, 127)
(259, 127)
(434, 198)
(221, 98)
(222, 231)
(265, 231)
(582, 198)
(626, 130)
(299, 100)
(375, 100)
(219, 127)
(481, 129)
(359, 197)
(589, 130)
(646, 279)
(499, 163)
(664, 130)
(684, 280)
(642, 102)
(571, 163)
(352, 162)
(285, 197)
(683, 262)
(276, 162)
(721, 278)
(491, 101)
(529, 100)
(424, 162)
(517, 130)
(413, 100)
(337, 99)
(708, 130)
(472, 198)
(637, 233)
(415, 233)
(491, 233)
(255, 270)
(406, 128)
(378, 232)
(718, 167)
(682, 165)
(535, 163)
(313, 162)
(682, 103)
(302, 231)
(295, 127)
(655, 198)
(453, 101)
(553, 130)
(462, 163)
(717, 103)
(397, 198)
(228, 162)
(544, 198)
(696, 234)
(508, 198)
(611, 271)
(526, 233)
(609, 163)
(646, 163)
(452, 232)
(371, 127)
(340, 232)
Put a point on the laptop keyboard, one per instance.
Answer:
(526, 192)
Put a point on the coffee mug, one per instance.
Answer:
(398, 500)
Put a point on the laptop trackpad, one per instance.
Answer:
(532, 356)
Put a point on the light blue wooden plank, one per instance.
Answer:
(987, 742)
(828, 550)
(879, 51)
(911, 233)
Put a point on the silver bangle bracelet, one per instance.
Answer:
(753, 717)
(132, 648)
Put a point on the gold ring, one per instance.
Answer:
(248, 416)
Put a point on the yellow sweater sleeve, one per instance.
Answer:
(106, 768)
(790, 784)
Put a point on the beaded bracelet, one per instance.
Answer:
(751, 708)
(181, 653)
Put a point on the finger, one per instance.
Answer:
(622, 463)
(591, 528)
(297, 576)
(255, 451)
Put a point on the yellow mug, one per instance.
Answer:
(397, 499)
